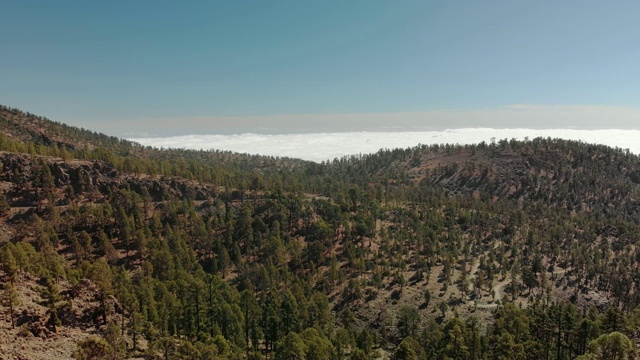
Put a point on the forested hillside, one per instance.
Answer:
(509, 250)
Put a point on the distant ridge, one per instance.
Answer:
(27, 127)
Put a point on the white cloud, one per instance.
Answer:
(327, 146)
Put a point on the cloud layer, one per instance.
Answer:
(327, 146)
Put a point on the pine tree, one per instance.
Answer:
(10, 299)
(4, 205)
(9, 263)
(117, 344)
(51, 295)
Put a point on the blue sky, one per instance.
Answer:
(120, 66)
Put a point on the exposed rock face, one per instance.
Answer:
(32, 184)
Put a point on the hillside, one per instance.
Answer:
(432, 251)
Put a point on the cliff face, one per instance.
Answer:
(29, 181)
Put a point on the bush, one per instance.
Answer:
(93, 349)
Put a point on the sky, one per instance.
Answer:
(162, 68)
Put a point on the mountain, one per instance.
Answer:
(515, 249)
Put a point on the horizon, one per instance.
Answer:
(319, 147)
(521, 116)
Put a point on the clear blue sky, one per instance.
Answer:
(86, 62)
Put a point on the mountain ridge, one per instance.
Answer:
(366, 255)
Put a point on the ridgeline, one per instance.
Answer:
(509, 250)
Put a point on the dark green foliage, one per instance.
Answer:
(4, 205)
(218, 255)
(409, 349)
(408, 321)
(94, 349)
(613, 346)
(10, 300)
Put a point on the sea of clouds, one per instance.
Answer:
(327, 146)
